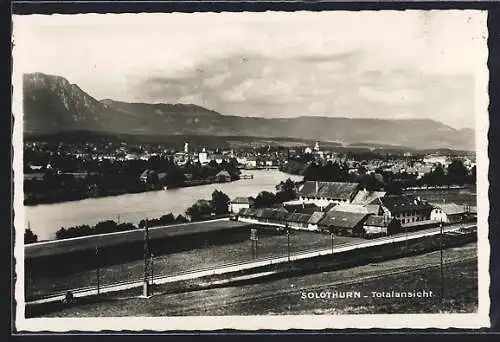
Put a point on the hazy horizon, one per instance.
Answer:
(372, 65)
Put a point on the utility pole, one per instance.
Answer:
(288, 242)
(118, 219)
(331, 235)
(98, 270)
(441, 254)
(145, 289)
(253, 241)
(406, 241)
(152, 274)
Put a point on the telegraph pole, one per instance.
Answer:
(152, 274)
(253, 241)
(98, 271)
(145, 289)
(441, 254)
(406, 241)
(331, 235)
(288, 242)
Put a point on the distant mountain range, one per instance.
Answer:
(53, 105)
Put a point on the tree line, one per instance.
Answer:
(217, 206)
(106, 178)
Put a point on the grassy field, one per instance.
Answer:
(285, 296)
(209, 256)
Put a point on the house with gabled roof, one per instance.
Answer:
(314, 220)
(405, 208)
(343, 223)
(449, 212)
(376, 224)
(239, 203)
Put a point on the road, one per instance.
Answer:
(239, 266)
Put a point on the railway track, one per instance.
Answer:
(160, 278)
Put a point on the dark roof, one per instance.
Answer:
(377, 221)
(243, 212)
(299, 218)
(279, 214)
(248, 212)
(402, 203)
(333, 190)
(330, 207)
(306, 208)
(342, 219)
(266, 213)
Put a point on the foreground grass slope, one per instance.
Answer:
(284, 296)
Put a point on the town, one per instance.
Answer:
(61, 172)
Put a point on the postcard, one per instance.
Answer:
(271, 170)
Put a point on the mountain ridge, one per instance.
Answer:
(52, 104)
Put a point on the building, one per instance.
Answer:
(300, 207)
(405, 208)
(203, 157)
(375, 225)
(314, 220)
(239, 203)
(343, 223)
(449, 212)
(218, 158)
(298, 221)
(251, 163)
(324, 193)
(364, 196)
(435, 159)
(357, 208)
(223, 176)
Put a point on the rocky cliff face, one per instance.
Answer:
(52, 104)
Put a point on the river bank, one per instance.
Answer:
(46, 219)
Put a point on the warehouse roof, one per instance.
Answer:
(342, 219)
(402, 203)
(451, 208)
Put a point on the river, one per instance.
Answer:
(45, 219)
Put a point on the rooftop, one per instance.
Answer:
(333, 190)
(342, 219)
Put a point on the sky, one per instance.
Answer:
(382, 64)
